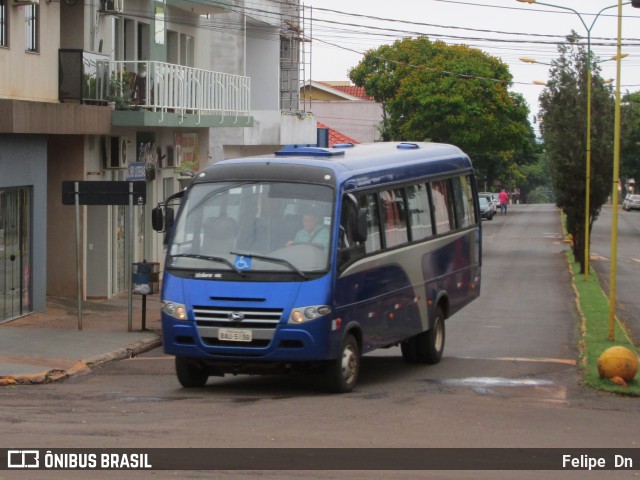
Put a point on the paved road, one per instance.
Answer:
(627, 266)
(508, 379)
(526, 304)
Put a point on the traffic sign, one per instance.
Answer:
(103, 192)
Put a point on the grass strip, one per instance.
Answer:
(594, 309)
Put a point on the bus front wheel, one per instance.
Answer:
(426, 347)
(342, 373)
(190, 375)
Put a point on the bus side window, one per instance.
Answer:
(419, 212)
(465, 214)
(394, 217)
(349, 248)
(369, 202)
(441, 206)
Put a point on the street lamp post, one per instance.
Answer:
(588, 152)
(614, 194)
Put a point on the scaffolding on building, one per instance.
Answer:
(295, 56)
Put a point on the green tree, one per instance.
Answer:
(563, 105)
(535, 174)
(630, 139)
(431, 91)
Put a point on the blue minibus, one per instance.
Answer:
(306, 259)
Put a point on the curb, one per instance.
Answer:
(82, 367)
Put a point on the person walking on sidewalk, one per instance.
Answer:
(503, 198)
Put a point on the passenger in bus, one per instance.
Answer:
(312, 231)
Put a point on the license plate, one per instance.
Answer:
(234, 335)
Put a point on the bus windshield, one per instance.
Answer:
(269, 226)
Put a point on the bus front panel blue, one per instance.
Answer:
(248, 320)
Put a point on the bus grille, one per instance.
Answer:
(261, 321)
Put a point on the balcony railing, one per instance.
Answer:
(165, 87)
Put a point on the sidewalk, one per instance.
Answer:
(49, 346)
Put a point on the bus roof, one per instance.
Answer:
(361, 165)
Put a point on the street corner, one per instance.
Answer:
(128, 351)
(81, 367)
(45, 376)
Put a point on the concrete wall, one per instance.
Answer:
(356, 119)
(31, 76)
(65, 162)
(271, 129)
(23, 163)
(222, 49)
(263, 66)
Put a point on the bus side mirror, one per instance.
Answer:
(162, 220)
(157, 220)
(361, 226)
(168, 218)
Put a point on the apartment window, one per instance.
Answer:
(3, 23)
(31, 27)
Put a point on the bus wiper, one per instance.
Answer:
(274, 260)
(212, 259)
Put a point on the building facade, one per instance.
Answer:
(127, 90)
(344, 108)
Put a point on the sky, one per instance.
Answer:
(342, 30)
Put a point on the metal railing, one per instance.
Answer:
(166, 87)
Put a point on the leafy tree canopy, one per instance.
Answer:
(564, 125)
(630, 139)
(451, 94)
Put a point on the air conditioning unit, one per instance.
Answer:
(112, 7)
(113, 151)
(18, 3)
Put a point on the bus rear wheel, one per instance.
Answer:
(426, 347)
(190, 375)
(342, 373)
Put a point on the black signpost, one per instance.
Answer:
(103, 193)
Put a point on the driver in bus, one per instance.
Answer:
(312, 231)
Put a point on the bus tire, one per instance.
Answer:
(342, 373)
(430, 344)
(189, 375)
(409, 349)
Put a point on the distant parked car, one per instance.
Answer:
(486, 210)
(493, 200)
(631, 202)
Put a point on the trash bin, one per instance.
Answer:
(145, 278)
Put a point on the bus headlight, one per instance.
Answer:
(304, 314)
(175, 310)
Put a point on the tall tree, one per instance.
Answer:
(630, 139)
(563, 105)
(452, 94)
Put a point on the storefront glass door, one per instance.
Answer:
(15, 252)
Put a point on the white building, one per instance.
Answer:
(191, 82)
(343, 107)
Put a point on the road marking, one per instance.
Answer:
(497, 382)
(566, 361)
(595, 256)
(150, 358)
